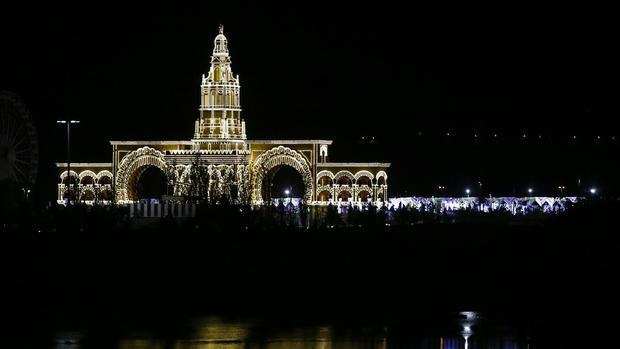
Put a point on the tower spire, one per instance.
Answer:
(221, 43)
(220, 109)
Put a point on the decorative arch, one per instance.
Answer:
(363, 198)
(87, 173)
(276, 157)
(104, 173)
(344, 173)
(324, 195)
(364, 173)
(64, 174)
(324, 173)
(132, 162)
(84, 191)
(382, 174)
(345, 194)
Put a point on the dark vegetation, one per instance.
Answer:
(552, 277)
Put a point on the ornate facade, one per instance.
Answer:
(219, 161)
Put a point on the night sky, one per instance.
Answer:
(337, 72)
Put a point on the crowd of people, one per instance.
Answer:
(228, 217)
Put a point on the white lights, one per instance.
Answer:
(467, 191)
(592, 190)
(529, 190)
(561, 188)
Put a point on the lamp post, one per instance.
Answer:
(529, 191)
(467, 191)
(561, 188)
(26, 193)
(68, 123)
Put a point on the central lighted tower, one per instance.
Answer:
(219, 126)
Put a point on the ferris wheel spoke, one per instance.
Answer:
(22, 151)
(20, 171)
(16, 133)
(18, 143)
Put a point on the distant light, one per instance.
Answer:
(475, 135)
(286, 192)
(448, 134)
(529, 190)
(467, 191)
(524, 136)
(495, 135)
(574, 137)
(598, 137)
(592, 190)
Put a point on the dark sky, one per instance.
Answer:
(315, 71)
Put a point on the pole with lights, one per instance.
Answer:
(68, 123)
(561, 188)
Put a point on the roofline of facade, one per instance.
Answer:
(85, 164)
(353, 164)
(293, 141)
(151, 142)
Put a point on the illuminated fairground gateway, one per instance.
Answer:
(220, 161)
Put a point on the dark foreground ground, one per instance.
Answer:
(554, 281)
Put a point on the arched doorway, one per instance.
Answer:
(324, 196)
(277, 157)
(363, 196)
(344, 195)
(283, 182)
(150, 183)
(130, 169)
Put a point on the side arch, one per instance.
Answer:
(87, 173)
(275, 157)
(131, 163)
(325, 173)
(344, 173)
(104, 173)
(364, 173)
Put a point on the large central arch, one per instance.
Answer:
(130, 168)
(276, 157)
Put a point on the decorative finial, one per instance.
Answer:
(221, 29)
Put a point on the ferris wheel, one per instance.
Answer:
(19, 150)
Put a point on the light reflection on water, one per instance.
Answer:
(217, 334)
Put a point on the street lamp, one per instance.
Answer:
(68, 123)
(26, 193)
(561, 188)
(529, 191)
(592, 191)
(467, 191)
